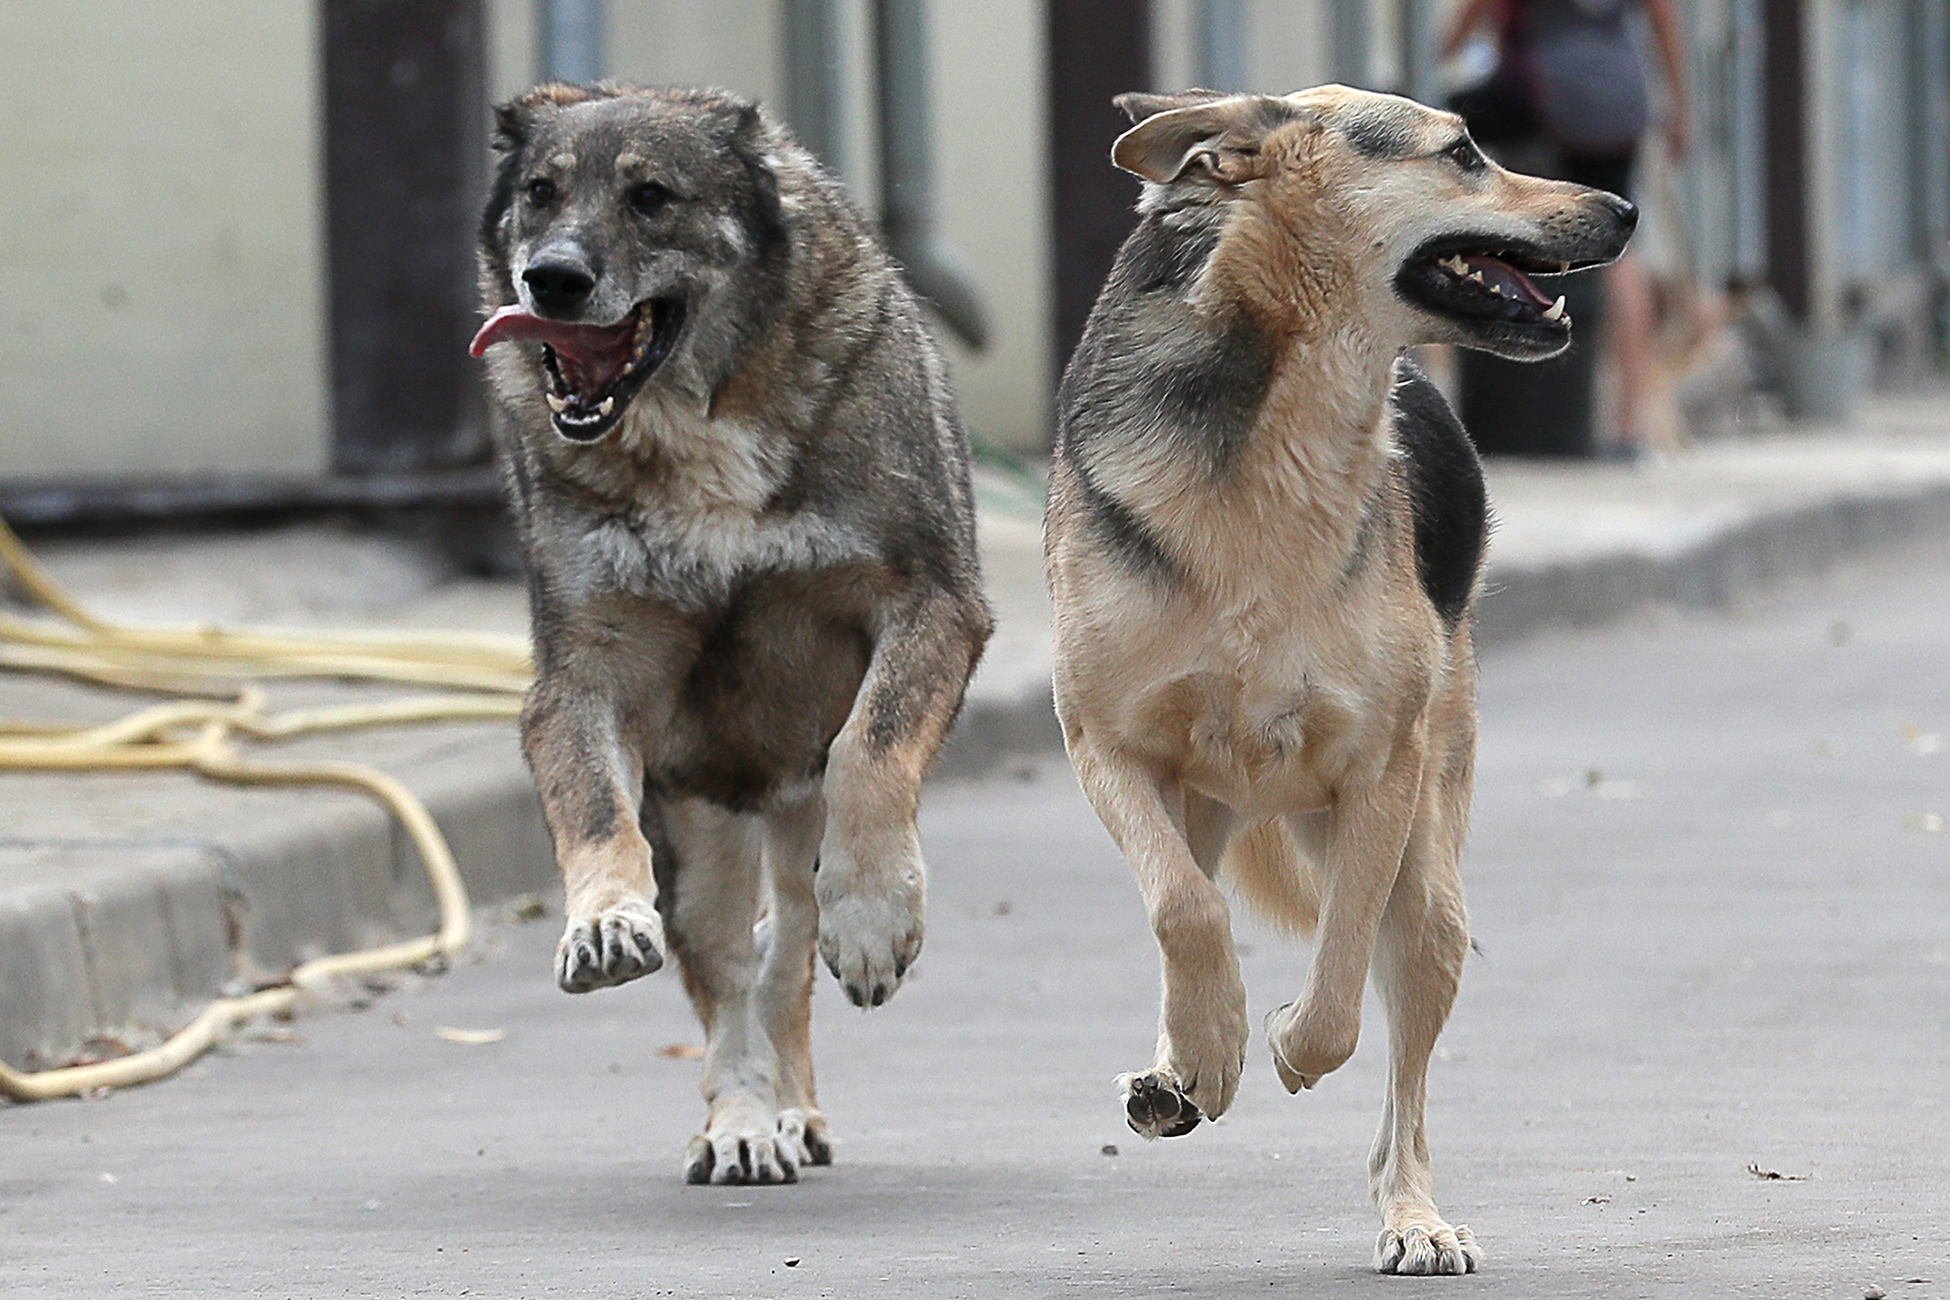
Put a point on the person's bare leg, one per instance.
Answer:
(1628, 343)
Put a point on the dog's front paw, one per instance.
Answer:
(616, 945)
(1427, 1249)
(1309, 1044)
(1155, 1105)
(869, 939)
(1203, 1048)
(745, 1145)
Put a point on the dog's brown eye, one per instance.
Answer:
(541, 192)
(1465, 155)
(646, 198)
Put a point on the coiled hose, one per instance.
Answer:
(199, 730)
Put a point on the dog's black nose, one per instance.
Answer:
(559, 286)
(1627, 211)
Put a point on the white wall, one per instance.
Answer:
(160, 302)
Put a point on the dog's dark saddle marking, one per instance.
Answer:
(1201, 384)
(1168, 250)
(1132, 544)
(1445, 483)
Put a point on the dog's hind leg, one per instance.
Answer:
(1419, 952)
(1367, 834)
(872, 883)
(712, 914)
(788, 939)
(590, 785)
(1173, 843)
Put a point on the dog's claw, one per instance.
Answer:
(618, 945)
(1427, 1252)
(731, 1158)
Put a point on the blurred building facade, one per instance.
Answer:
(188, 247)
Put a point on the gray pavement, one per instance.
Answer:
(127, 901)
(1710, 905)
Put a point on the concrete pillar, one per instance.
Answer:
(1353, 38)
(1824, 363)
(1220, 37)
(569, 45)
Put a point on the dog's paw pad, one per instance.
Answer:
(1439, 1251)
(615, 946)
(1156, 1106)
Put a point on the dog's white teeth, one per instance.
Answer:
(1478, 277)
(557, 404)
(1456, 265)
(1556, 310)
(608, 405)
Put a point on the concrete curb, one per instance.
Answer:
(122, 935)
(126, 938)
(1770, 546)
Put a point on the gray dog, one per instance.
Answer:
(742, 493)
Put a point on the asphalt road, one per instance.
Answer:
(1710, 882)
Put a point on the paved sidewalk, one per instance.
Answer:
(127, 901)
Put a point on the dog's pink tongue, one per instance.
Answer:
(590, 356)
(1497, 271)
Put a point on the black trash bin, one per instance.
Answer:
(1539, 408)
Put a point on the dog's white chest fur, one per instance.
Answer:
(700, 496)
(1256, 699)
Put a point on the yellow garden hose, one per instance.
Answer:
(211, 672)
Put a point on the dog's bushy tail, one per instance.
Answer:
(1273, 876)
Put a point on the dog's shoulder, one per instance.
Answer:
(1444, 478)
(1153, 369)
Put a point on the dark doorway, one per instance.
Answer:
(405, 125)
(1097, 49)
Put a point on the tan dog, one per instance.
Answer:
(1264, 534)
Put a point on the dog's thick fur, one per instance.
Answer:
(742, 494)
(1264, 535)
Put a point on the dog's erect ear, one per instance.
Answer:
(743, 125)
(515, 121)
(1216, 139)
(510, 128)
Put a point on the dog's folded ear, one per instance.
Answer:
(1213, 138)
(1138, 105)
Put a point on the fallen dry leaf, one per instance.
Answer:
(681, 1051)
(470, 1037)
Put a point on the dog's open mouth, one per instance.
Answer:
(1490, 288)
(593, 370)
